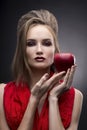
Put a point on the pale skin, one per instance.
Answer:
(40, 43)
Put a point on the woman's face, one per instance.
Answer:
(40, 47)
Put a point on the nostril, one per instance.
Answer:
(39, 49)
(39, 52)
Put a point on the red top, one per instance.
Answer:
(15, 102)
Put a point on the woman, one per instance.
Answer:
(36, 99)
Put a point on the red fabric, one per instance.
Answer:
(15, 102)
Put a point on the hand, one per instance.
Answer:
(45, 83)
(65, 85)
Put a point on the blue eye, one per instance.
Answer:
(31, 43)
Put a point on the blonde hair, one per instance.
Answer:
(20, 66)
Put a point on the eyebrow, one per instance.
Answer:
(30, 40)
(46, 39)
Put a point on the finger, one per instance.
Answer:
(63, 85)
(55, 79)
(66, 77)
(42, 80)
(66, 82)
(38, 85)
(71, 75)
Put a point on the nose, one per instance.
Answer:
(39, 49)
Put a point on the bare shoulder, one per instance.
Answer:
(2, 86)
(77, 108)
(78, 101)
(3, 123)
(78, 94)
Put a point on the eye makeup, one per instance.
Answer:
(31, 42)
(44, 42)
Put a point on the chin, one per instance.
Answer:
(41, 67)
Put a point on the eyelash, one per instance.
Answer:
(47, 43)
(33, 43)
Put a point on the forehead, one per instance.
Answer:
(39, 31)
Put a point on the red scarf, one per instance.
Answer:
(16, 99)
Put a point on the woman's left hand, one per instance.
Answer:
(64, 85)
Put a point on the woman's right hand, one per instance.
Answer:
(45, 84)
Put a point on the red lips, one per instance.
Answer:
(39, 59)
(63, 61)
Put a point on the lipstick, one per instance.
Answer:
(39, 59)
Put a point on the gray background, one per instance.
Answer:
(72, 19)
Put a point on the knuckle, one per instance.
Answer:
(38, 84)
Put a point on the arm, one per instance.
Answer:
(55, 122)
(77, 108)
(39, 89)
(27, 121)
(54, 115)
(3, 123)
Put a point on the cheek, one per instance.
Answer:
(28, 53)
(51, 57)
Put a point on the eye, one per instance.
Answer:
(31, 43)
(46, 42)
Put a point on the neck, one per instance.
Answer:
(35, 76)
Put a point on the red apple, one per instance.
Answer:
(63, 61)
